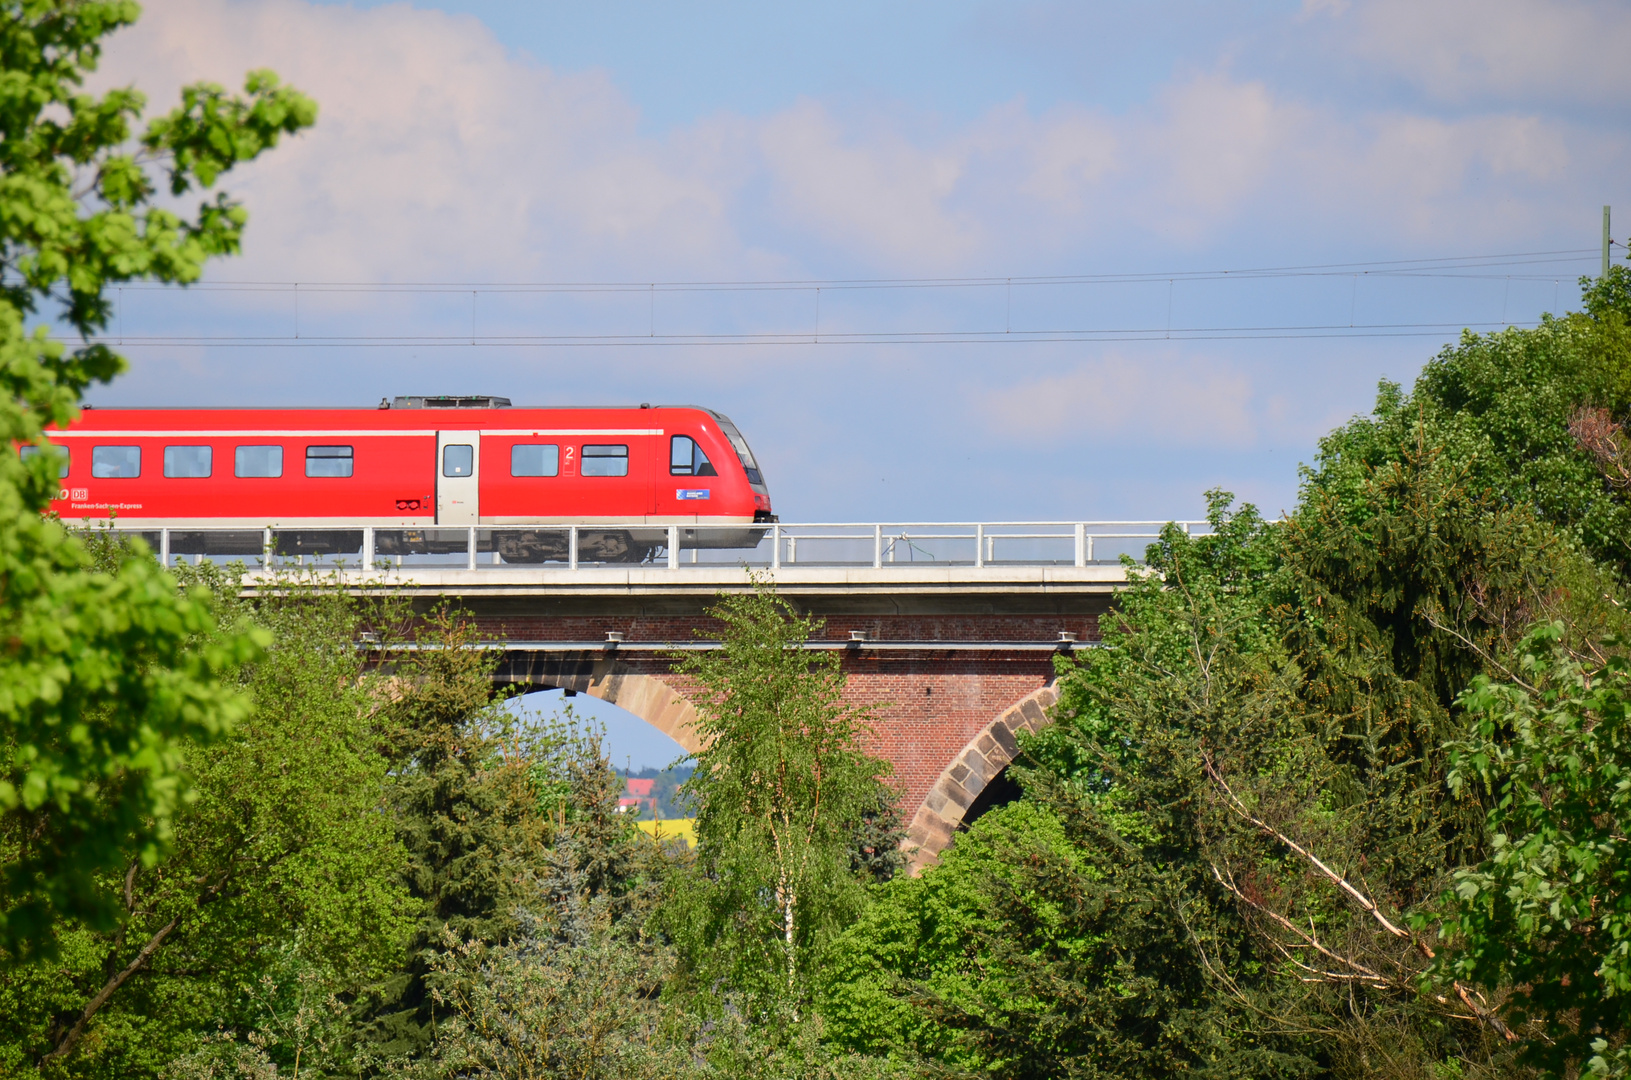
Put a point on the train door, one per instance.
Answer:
(458, 464)
(685, 480)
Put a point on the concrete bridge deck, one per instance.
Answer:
(802, 580)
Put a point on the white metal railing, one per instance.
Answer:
(877, 545)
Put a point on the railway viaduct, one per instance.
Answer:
(955, 660)
(950, 632)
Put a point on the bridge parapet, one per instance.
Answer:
(676, 547)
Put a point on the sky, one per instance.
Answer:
(946, 261)
(628, 741)
(471, 151)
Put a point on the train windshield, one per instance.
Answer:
(750, 466)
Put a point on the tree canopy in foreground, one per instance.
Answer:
(105, 676)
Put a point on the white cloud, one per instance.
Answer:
(1463, 50)
(1213, 143)
(441, 155)
(437, 154)
(883, 196)
(1081, 148)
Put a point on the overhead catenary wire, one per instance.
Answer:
(831, 339)
(1549, 266)
(1395, 267)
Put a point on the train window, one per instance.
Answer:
(27, 452)
(749, 466)
(605, 461)
(535, 459)
(121, 462)
(257, 461)
(458, 459)
(328, 461)
(188, 461)
(685, 458)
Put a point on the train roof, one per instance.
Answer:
(267, 419)
(93, 408)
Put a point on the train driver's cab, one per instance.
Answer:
(685, 458)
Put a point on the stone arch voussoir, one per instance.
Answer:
(970, 771)
(650, 697)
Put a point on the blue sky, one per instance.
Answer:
(640, 142)
(488, 142)
(630, 743)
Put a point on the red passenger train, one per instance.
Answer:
(414, 462)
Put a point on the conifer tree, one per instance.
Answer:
(467, 809)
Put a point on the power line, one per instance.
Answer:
(1392, 267)
(916, 337)
(1504, 267)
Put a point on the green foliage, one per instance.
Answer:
(529, 1009)
(552, 974)
(1504, 411)
(1548, 914)
(1162, 972)
(467, 803)
(284, 840)
(1402, 584)
(876, 851)
(565, 997)
(104, 678)
(75, 193)
(781, 788)
(1606, 296)
(1202, 599)
(1243, 795)
(300, 1025)
(1266, 680)
(1311, 671)
(487, 810)
(926, 938)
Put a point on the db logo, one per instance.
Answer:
(79, 493)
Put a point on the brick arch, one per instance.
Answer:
(653, 693)
(657, 701)
(968, 773)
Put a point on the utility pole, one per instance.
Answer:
(1606, 241)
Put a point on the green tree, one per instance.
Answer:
(103, 678)
(574, 990)
(1532, 417)
(1082, 931)
(487, 809)
(469, 806)
(1547, 916)
(1242, 801)
(1265, 695)
(283, 853)
(781, 787)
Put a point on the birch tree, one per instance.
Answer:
(781, 787)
